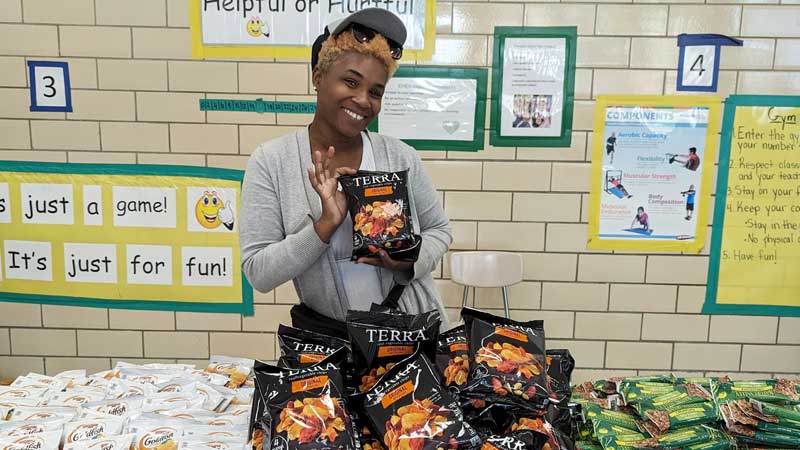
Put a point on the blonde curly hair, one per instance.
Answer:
(337, 46)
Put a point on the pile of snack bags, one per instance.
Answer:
(668, 412)
(137, 407)
(398, 383)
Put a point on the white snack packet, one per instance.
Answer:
(153, 431)
(213, 379)
(11, 429)
(42, 413)
(75, 397)
(37, 380)
(238, 410)
(212, 397)
(173, 400)
(120, 442)
(118, 388)
(12, 392)
(6, 406)
(93, 428)
(126, 407)
(171, 366)
(146, 375)
(177, 385)
(210, 445)
(237, 369)
(76, 374)
(236, 433)
(243, 396)
(41, 441)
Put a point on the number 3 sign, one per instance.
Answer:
(50, 90)
(698, 63)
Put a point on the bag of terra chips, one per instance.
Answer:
(381, 213)
(409, 409)
(559, 371)
(305, 408)
(301, 348)
(452, 358)
(381, 340)
(517, 440)
(508, 359)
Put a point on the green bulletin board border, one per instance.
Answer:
(711, 306)
(500, 35)
(245, 308)
(478, 74)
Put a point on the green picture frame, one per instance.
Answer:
(244, 308)
(463, 73)
(564, 139)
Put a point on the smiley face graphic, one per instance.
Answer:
(211, 212)
(256, 27)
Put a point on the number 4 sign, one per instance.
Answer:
(698, 63)
(50, 90)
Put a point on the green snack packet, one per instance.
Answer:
(584, 445)
(634, 392)
(772, 428)
(702, 381)
(779, 390)
(603, 429)
(775, 410)
(621, 442)
(720, 444)
(751, 436)
(596, 414)
(681, 438)
(681, 415)
(680, 395)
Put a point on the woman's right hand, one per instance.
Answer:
(326, 183)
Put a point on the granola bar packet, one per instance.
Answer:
(380, 340)
(380, 209)
(679, 415)
(773, 391)
(301, 348)
(409, 409)
(681, 438)
(750, 435)
(452, 358)
(508, 360)
(305, 407)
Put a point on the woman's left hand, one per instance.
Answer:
(386, 262)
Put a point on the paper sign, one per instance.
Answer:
(92, 205)
(211, 209)
(50, 87)
(698, 60)
(5, 201)
(207, 266)
(149, 264)
(28, 260)
(152, 207)
(47, 203)
(755, 256)
(90, 263)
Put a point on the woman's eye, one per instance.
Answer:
(376, 94)
(351, 82)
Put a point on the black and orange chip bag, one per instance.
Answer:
(381, 213)
(560, 364)
(302, 348)
(380, 340)
(516, 440)
(452, 358)
(305, 408)
(409, 409)
(508, 360)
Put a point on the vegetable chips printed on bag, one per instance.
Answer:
(508, 359)
(379, 206)
(408, 409)
(305, 407)
(301, 348)
(452, 358)
(380, 340)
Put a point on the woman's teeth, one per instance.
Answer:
(353, 115)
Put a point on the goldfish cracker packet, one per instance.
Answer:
(42, 413)
(7, 406)
(302, 348)
(42, 441)
(452, 358)
(156, 432)
(181, 384)
(380, 209)
(128, 407)
(211, 445)
(380, 340)
(13, 392)
(508, 360)
(75, 397)
(237, 369)
(93, 428)
(54, 384)
(409, 408)
(24, 428)
(213, 379)
(305, 408)
(173, 400)
(119, 442)
(146, 375)
(208, 433)
(118, 389)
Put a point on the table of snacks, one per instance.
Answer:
(397, 383)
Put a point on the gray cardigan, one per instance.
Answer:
(277, 238)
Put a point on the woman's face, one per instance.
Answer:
(349, 93)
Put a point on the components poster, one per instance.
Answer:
(755, 252)
(652, 164)
(139, 237)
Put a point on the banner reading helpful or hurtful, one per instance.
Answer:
(129, 236)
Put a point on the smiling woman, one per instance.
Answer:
(295, 223)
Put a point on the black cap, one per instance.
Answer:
(382, 21)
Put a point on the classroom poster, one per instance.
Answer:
(652, 163)
(755, 252)
(286, 29)
(128, 236)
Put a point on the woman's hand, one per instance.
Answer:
(385, 261)
(325, 182)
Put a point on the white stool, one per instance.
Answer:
(486, 270)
